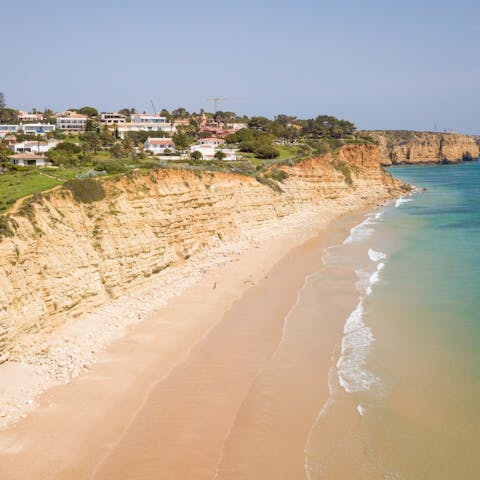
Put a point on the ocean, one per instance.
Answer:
(405, 380)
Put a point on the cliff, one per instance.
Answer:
(422, 147)
(77, 247)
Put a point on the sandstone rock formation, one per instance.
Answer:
(66, 257)
(421, 147)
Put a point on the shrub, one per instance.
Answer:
(86, 190)
(278, 175)
(345, 170)
(196, 155)
(109, 165)
(5, 230)
(267, 151)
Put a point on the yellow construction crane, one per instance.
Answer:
(217, 100)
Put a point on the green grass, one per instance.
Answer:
(71, 139)
(15, 185)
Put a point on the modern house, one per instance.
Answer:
(37, 128)
(124, 128)
(112, 118)
(28, 159)
(147, 118)
(27, 129)
(33, 146)
(159, 145)
(208, 151)
(71, 121)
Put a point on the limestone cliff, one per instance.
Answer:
(422, 147)
(65, 256)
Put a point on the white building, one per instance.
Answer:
(124, 128)
(71, 121)
(159, 145)
(37, 128)
(27, 129)
(28, 160)
(33, 146)
(147, 118)
(208, 152)
(212, 141)
(112, 118)
(29, 117)
(8, 130)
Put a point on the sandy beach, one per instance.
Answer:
(202, 386)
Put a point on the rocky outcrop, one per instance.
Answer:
(399, 147)
(66, 257)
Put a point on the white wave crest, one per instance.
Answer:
(374, 278)
(401, 201)
(376, 256)
(360, 231)
(357, 338)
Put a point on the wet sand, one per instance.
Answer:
(202, 389)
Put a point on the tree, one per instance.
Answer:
(91, 126)
(219, 155)
(180, 113)
(2, 101)
(64, 153)
(8, 115)
(224, 117)
(128, 147)
(260, 123)
(106, 136)
(285, 120)
(4, 151)
(267, 151)
(116, 150)
(127, 112)
(327, 126)
(181, 140)
(165, 113)
(89, 111)
(196, 155)
(92, 141)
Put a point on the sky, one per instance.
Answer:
(380, 64)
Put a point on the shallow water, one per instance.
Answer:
(405, 398)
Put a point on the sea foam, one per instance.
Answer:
(401, 201)
(374, 278)
(357, 338)
(361, 231)
(376, 256)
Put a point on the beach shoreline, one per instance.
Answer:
(146, 345)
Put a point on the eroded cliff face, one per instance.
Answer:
(422, 147)
(66, 257)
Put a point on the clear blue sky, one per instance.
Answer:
(381, 64)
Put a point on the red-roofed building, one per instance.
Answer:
(159, 145)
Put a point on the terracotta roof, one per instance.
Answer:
(27, 155)
(160, 141)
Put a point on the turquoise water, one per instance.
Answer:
(422, 421)
(409, 365)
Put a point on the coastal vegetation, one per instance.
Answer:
(262, 145)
